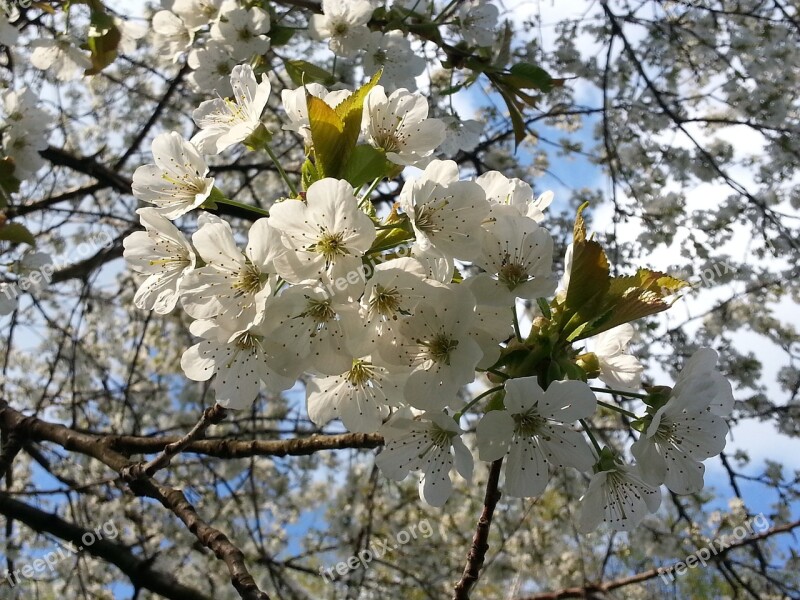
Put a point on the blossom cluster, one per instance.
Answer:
(390, 348)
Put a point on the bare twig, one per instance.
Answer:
(480, 542)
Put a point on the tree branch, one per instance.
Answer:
(480, 543)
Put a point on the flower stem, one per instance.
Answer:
(282, 173)
(368, 193)
(619, 392)
(619, 409)
(516, 324)
(249, 207)
(476, 399)
(588, 431)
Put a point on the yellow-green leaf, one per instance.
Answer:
(326, 136)
(350, 111)
(589, 275)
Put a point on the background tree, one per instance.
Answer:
(677, 121)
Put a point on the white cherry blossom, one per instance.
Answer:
(392, 52)
(360, 397)
(517, 256)
(446, 214)
(309, 328)
(243, 31)
(502, 191)
(700, 377)
(225, 122)
(196, 14)
(236, 357)
(344, 24)
(478, 22)
(60, 58)
(172, 37)
(232, 283)
(435, 343)
(431, 444)
(618, 497)
(399, 125)
(177, 182)
(327, 233)
(162, 253)
(687, 429)
(212, 66)
(618, 370)
(534, 432)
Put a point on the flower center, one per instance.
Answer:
(512, 274)
(360, 373)
(320, 310)
(528, 425)
(250, 280)
(340, 29)
(439, 348)
(331, 245)
(425, 217)
(390, 140)
(385, 301)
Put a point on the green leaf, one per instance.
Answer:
(302, 72)
(9, 184)
(530, 77)
(103, 41)
(335, 131)
(280, 36)
(16, 234)
(517, 120)
(365, 165)
(504, 53)
(308, 174)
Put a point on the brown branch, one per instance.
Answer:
(11, 447)
(211, 416)
(139, 571)
(172, 499)
(480, 543)
(225, 448)
(587, 590)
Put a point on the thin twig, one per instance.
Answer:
(480, 542)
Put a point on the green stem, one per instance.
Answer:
(516, 324)
(249, 207)
(498, 373)
(588, 431)
(282, 173)
(618, 392)
(476, 399)
(619, 409)
(371, 189)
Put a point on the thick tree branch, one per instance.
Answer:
(140, 571)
